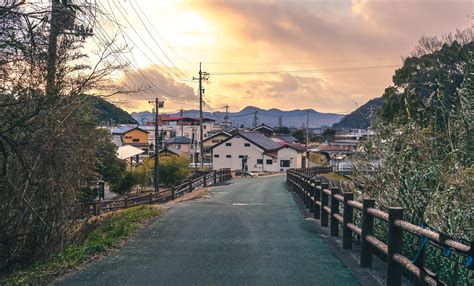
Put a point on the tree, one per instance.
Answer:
(300, 135)
(328, 134)
(282, 130)
(48, 138)
(173, 170)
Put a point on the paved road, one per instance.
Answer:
(250, 233)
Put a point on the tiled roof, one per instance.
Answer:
(122, 130)
(260, 140)
(172, 150)
(287, 138)
(179, 140)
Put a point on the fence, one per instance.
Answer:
(188, 186)
(325, 204)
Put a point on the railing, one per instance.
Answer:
(325, 205)
(208, 179)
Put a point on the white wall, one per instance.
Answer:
(291, 154)
(238, 148)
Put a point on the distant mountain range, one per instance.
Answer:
(360, 118)
(291, 118)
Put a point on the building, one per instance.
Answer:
(284, 138)
(264, 129)
(170, 151)
(262, 153)
(132, 135)
(129, 154)
(213, 139)
(188, 126)
(181, 143)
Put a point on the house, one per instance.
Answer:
(213, 139)
(264, 129)
(131, 135)
(281, 138)
(262, 153)
(188, 126)
(180, 143)
(170, 151)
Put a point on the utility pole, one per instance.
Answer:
(226, 118)
(255, 119)
(181, 113)
(307, 138)
(202, 76)
(158, 104)
(62, 18)
(307, 128)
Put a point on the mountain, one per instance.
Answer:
(291, 118)
(105, 111)
(360, 118)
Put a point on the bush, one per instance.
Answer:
(173, 170)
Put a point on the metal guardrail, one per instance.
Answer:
(208, 179)
(325, 205)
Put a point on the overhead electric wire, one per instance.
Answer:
(161, 37)
(303, 71)
(170, 72)
(298, 63)
(153, 38)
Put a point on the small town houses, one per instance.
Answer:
(261, 153)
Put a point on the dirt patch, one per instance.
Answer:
(202, 193)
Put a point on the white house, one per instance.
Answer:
(262, 153)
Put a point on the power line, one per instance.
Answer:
(305, 71)
(298, 63)
(153, 38)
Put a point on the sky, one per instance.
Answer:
(328, 55)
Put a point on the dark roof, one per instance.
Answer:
(217, 133)
(172, 150)
(123, 130)
(260, 140)
(287, 138)
(297, 147)
(262, 126)
(179, 140)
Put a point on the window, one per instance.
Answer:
(204, 127)
(247, 144)
(216, 155)
(285, 163)
(215, 140)
(136, 140)
(178, 146)
(269, 161)
(128, 137)
(228, 156)
(228, 144)
(259, 161)
(241, 156)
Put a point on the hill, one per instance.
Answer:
(105, 111)
(291, 118)
(360, 118)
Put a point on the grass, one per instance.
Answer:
(108, 234)
(335, 176)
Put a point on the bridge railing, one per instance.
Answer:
(325, 204)
(207, 179)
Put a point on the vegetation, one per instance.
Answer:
(106, 112)
(105, 234)
(424, 142)
(173, 170)
(50, 149)
(361, 117)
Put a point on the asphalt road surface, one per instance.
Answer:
(250, 233)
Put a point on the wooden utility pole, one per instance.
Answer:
(307, 139)
(202, 76)
(181, 113)
(158, 104)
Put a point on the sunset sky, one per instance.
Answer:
(322, 54)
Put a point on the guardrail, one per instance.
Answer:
(325, 204)
(187, 186)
